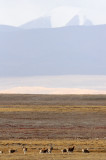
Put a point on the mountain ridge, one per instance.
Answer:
(8, 28)
(42, 22)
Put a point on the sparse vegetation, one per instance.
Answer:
(37, 121)
(97, 148)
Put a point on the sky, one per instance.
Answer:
(18, 12)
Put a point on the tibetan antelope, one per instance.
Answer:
(50, 149)
(70, 149)
(24, 150)
(12, 150)
(1, 152)
(44, 150)
(85, 150)
(47, 150)
(64, 150)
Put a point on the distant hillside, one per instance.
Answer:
(76, 21)
(68, 50)
(42, 22)
(88, 22)
(8, 28)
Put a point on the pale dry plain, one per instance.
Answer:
(37, 121)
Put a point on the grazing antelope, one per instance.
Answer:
(47, 150)
(12, 150)
(64, 150)
(85, 150)
(70, 149)
(25, 150)
(50, 149)
(1, 152)
(44, 150)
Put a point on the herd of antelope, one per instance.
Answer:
(47, 150)
(15, 150)
(68, 150)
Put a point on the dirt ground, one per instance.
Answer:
(52, 117)
(29, 99)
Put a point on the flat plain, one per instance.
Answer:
(38, 121)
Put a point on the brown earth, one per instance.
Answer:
(29, 99)
(52, 116)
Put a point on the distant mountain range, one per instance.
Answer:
(42, 22)
(53, 51)
(75, 21)
(45, 22)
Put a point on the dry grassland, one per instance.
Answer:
(38, 121)
(51, 108)
(96, 147)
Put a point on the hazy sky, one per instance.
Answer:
(17, 12)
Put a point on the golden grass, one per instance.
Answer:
(97, 148)
(95, 144)
(46, 108)
(37, 156)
